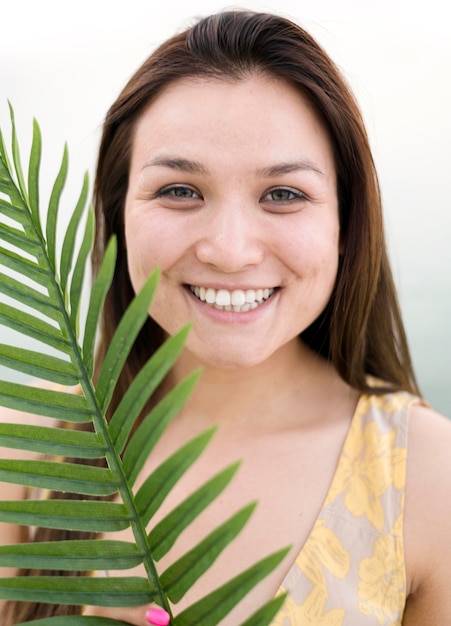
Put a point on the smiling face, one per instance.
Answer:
(232, 193)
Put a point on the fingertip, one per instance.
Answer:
(158, 617)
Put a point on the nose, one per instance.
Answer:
(229, 239)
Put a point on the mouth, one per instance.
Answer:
(236, 301)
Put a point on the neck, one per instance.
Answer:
(247, 395)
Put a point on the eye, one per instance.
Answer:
(284, 196)
(178, 192)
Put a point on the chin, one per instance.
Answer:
(230, 359)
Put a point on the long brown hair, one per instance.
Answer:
(361, 329)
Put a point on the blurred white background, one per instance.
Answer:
(65, 62)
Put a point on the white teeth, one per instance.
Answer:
(210, 296)
(238, 297)
(223, 298)
(237, 300)
(249, 295)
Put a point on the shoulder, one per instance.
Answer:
(429, 458)
(427, 528)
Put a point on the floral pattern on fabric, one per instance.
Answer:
(351, 571)
(380, 586)
(311, 613)
(362, 473)
(323, 552)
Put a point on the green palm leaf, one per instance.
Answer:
(80, 590)
(44, 303)
(64, 406)
(75, 620)
(84, 515)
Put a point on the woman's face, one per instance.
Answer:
(232, 193)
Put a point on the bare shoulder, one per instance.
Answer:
(427, 515)
(429, 458)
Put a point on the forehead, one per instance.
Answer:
(258, 114)
(184, 95)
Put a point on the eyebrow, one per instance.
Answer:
(286, 168)
(194, 167)
(176, 163)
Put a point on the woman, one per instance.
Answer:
(236, 160)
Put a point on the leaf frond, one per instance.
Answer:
(69, 477)
(124, 337)
(60, 442)
(33, 172)
(84, 515)
(73, 555)
(143, 386)
(52, 212)
(16, 157)
(98, 295)
(68, 248)
(215, 606)
(79, 590)
(182, 574)
(75, 620)
(157, 486)
(152, 427)
(62, 405)
(77, 469)
(163, 536)
(39, 365)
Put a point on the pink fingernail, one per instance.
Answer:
(158, 617)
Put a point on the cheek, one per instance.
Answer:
(314, 249)
(147, 246)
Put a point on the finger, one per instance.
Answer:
(158, 617)
(135, 616)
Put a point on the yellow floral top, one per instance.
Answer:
(351, 569)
